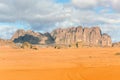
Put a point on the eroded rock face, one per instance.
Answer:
(67, 36)
(18, 33)
(32, 37)
(27, 38)
(90, 36)
(95, 36)
(106, 40)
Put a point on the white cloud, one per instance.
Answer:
(45, 15)
(6, 31)
(85, 3)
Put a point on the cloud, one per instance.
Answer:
(115, 5)
(6, 31)
(85, 3)
(46, 15)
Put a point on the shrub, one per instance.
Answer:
(117, 53)
(69, 46)
(77, 45)
(57, 47)
(26, 45)
(35, 47)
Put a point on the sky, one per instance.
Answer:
(46, 15)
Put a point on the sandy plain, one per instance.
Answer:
(60, 64)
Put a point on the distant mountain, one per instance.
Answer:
(32, 37)
(89, 36)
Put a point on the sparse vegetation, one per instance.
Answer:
(69, 46)
(57, 47)
(34, 48)
(77, 45)
(26, 45)
(90, 56)
(118, 53)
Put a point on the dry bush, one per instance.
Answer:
(69, 46)
(26, 45)
(35, 48)
(118, 53)
(77, 44)
(57, 47)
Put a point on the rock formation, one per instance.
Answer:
(106, 40)
(32, 37)
(89, 36)
(117, 44)
(17, 34)
(7, 43)
(27, 38)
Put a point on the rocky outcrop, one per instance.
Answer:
(32, 37)
(17, 34)
(117, 44)
(92, 36)
(49, 39)
(89, 36)
(7, 43)
(106, 40)
(27, 38)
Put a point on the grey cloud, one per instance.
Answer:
(48, 12)
(6, 31)
(91, 4)
(31, 11)
(85, 4)
(45, 15)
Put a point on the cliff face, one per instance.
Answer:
(89, 36)
(106, 40)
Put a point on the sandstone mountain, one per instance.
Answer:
(89, 36)
(32, 37)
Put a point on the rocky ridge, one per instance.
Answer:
(32, 37)
(89, 36)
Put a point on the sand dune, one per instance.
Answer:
(60, 64)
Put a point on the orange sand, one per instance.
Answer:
(60, 64)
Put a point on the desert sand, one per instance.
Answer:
(60, 64)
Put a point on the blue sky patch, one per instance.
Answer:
(62, 1)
